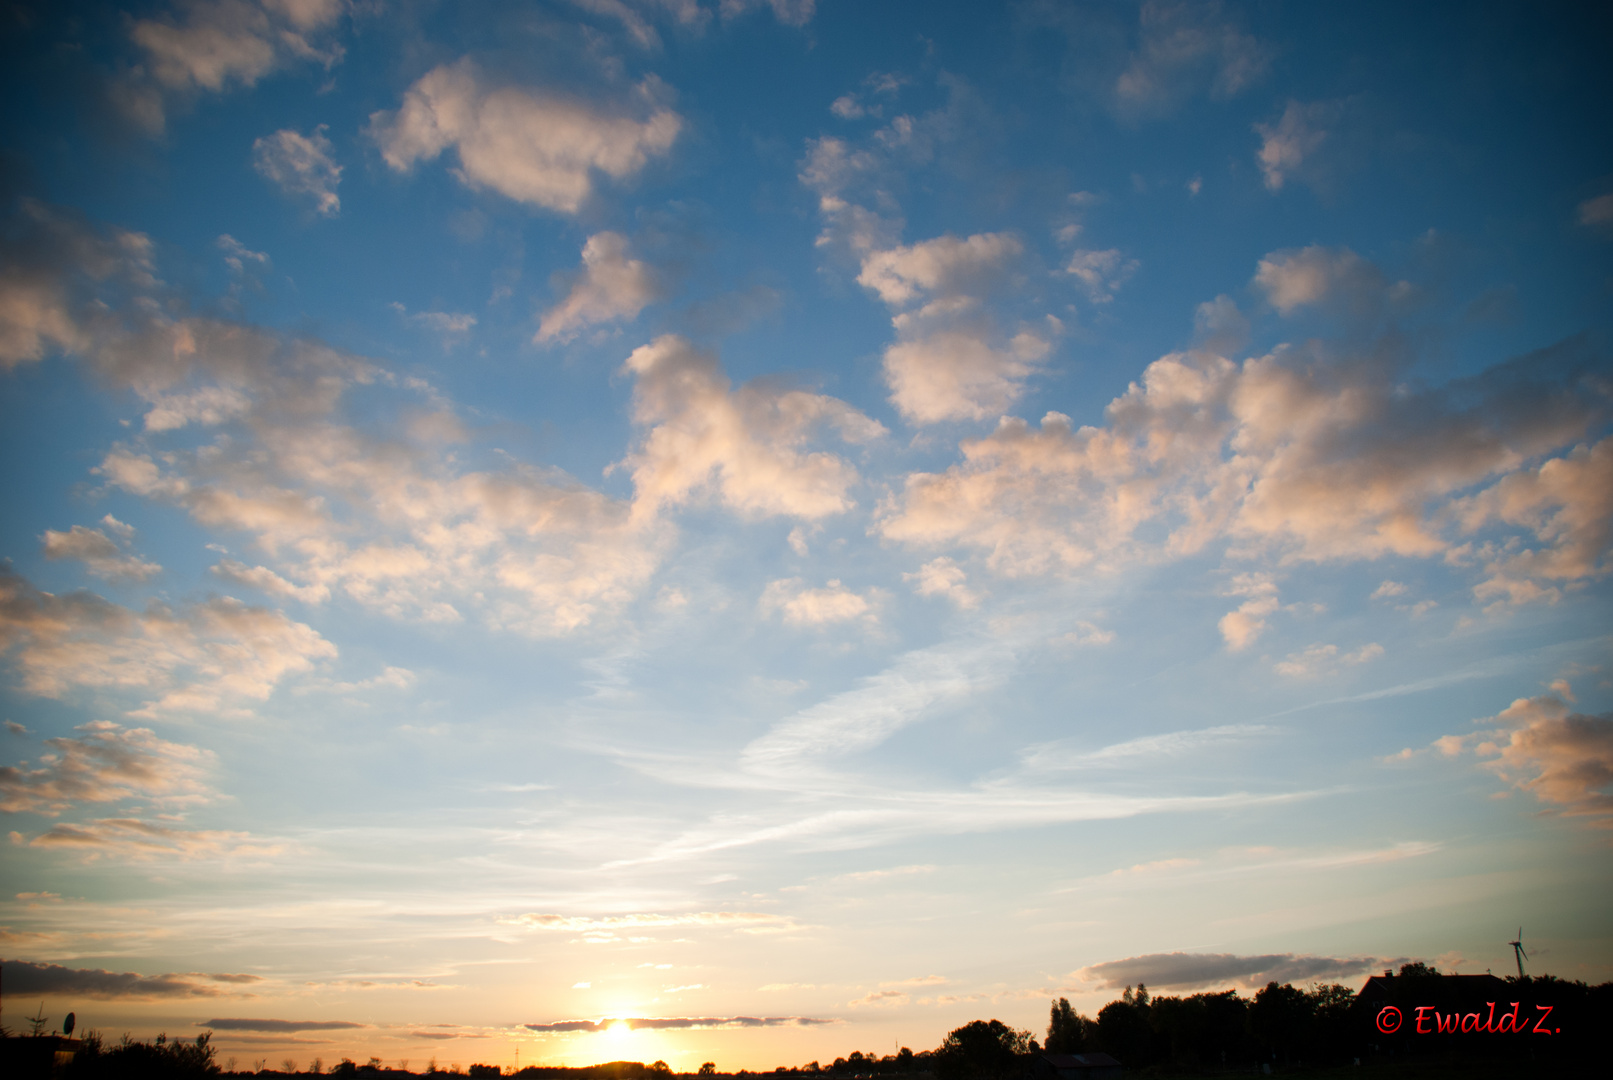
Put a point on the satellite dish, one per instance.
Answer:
(67, 1025)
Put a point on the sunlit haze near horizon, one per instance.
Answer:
(796, 524)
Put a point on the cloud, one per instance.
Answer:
(1187, 971)
(107, 763)
(950, 362)
(1312, 453)
(237, 254)
(688, 14)
(611, 286)
(527, 145)
(236, 1024)
(743, 447)
(221, 42)
(134, 839)
(46, 258)
(202, 657)
(943, 577)
(1241, 627)
(1288, 148)
(26, 979)
(677, 1023)
(301, 166)
(1135, 753)
(98, 553)
(880, 997)
(376, 513)
(1183, 46)
(1102, 272)
(802, 606)
(788, 12)
(1542, 746)
(1567, 503)
(265, 580)
(958, 374)
(730, 920)
(943, 266)
(1321, 276)
(1325, 659)
(1597, 211)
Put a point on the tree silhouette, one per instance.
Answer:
(982, 1050)
(1068, 1032)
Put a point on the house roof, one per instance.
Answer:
(1079, 1061)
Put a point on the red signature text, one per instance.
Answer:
(1430, 1021)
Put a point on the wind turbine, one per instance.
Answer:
(1517, 950)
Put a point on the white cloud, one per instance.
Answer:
(530, 146)
(611, 286)
(943, 577)
(107, 763)
(1293, 140)
(742, 446)
(949, 363)
(1181, 47)
(220, 42)
(265, 580)
(1325, 659)
(98, 553)
(1542, 746)
(1320, 276)
(945, 266)
(1289, 456)
(1102, 272)
(958, 374)
(1597, 211)
(724, 920)
(208, 657)
(301, 166)
(135, 839)
(800, 605)
(788, 12)
(237, 254)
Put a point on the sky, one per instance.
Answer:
(795, 525)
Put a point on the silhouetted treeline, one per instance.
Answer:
(1331, 1024)
(160, 1059)
(1554, 1021)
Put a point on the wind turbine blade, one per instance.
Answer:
(1525, 955)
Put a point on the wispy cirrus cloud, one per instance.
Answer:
(676, 1023)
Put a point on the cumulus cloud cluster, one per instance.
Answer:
(745, 448)
(1308, 453)
(211, 656)
(1542, 746)
(210, 45)
(530, 146)
(98, 552)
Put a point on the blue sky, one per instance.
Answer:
(859, 517)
